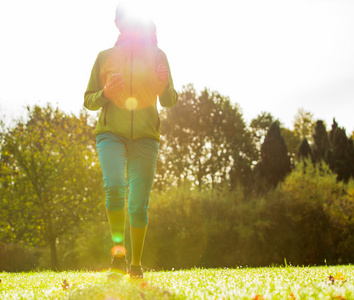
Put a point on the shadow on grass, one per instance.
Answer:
(118, 289)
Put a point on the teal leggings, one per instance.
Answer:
(139, 157)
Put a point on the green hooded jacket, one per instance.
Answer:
(137, 116)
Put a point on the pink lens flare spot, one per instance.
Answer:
(118, 251)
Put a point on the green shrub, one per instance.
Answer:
(205, 229)
(15, 257)
(307, 220)
(176, 236)
(318, 209)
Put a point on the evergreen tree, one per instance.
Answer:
(320, 142)
(340, 158)
(259, 127)
(351, 156)
(331, 133)
(275, 162)
(305, 150)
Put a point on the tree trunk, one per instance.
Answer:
(53, 253)
(199, 175)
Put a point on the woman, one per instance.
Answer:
(125, 82)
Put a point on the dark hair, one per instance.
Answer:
(127, 24)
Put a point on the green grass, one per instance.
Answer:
(241, 283)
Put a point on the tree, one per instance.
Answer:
(203, 136)
(351, 156)
(341, 159)
(50, 180)
(303, 124)
(320, 142)
(178, 136)
(305, 151)
(331, 133)
(318, 210)
(292, 142)
(259, 127)
(303, 128)
(275, 162)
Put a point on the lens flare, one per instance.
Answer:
(137, 10)
(118, 251)
(118, 237)
(131, 103)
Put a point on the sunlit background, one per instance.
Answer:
(275, 56)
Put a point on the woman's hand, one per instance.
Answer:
(162, 78)
(114, 88)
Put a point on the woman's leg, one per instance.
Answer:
(116, 221)
(112, 153)
(137, 237)
(140, 170)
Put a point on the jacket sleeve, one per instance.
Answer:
(169, 96)
(93, 95)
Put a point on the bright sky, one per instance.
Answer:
(267, 55)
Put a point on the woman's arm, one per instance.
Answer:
(167, 94)
(94, 99)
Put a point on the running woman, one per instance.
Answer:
(125, 82)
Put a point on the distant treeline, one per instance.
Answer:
(206, 142)
(225, 194)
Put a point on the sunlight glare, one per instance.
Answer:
(131, 103)
(118, 251)
(137, 10)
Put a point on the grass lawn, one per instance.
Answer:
(243, 283)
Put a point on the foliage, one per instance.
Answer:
(304, 124)
(306, 220)
(259, 127)
(336, 150)
(18, 257)
(351, 156)
(305, 151)
(292, 143)
(210, 229)
(318, 212)
(205, 210)
(177, 213)
(331, 133)
(320, 142)
(303, 128)
(50, 177)
(275, 162)
(203, 137)
(88, 247)
(341, 155)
